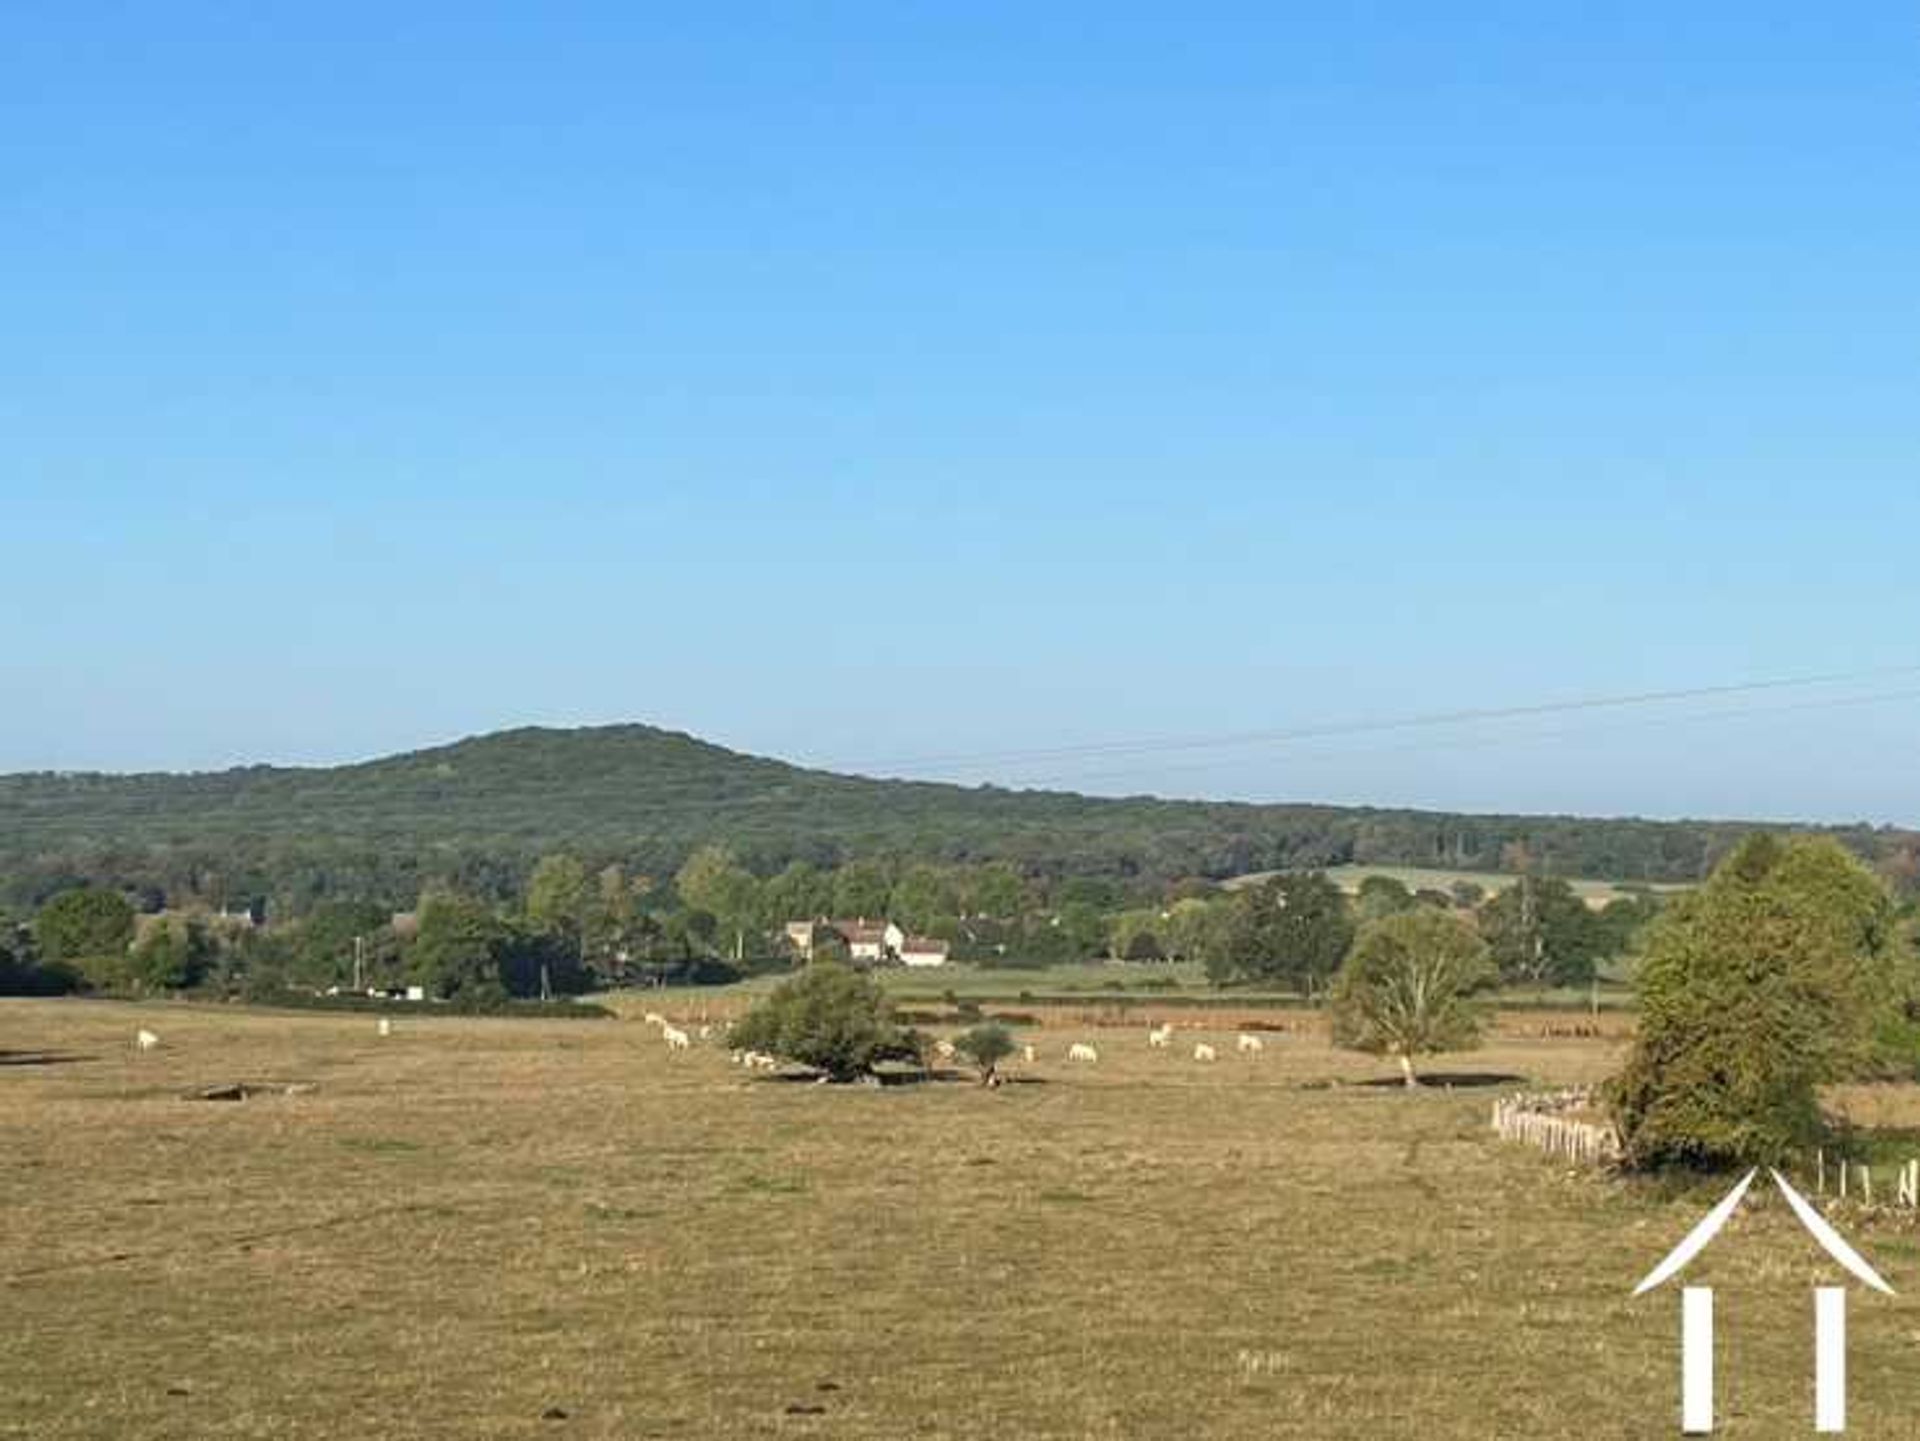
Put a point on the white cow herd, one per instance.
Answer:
(1159, 1037)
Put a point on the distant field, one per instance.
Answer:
(1594, 892)
(476, 1223)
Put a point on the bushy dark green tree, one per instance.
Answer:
(829, 1017)
(1774, 977)
(1409, 987)
(1542, 934)
(173, 955)
(86, 923)
(23, 973)
(456, 951)
(1293, 931)
(324, 943)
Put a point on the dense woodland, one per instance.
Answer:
(475, 817)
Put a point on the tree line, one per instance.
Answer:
(573, 926)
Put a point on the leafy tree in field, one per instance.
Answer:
(1541, 933)
(24, 974)
(559, 894)
(614, 928)
(829, 1017)
(713, 882)
(324, 943)
(1776, 976)
(1198, 931)
(1623, 921)
(89, 922)
(1294, 930)
(1408, 987)
(458, 947)
(1084, 929)
(985, 1046)
(534, 962)
(171, 956)
(1381, 896)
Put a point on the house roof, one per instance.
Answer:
(924, 945)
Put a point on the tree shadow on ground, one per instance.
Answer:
(41, 1058)
(1442, 1081)
(903, 1076)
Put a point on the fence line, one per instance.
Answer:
(1537, 1119)
(1853, 1181)
(1540, 1119)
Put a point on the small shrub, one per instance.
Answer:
(986, 1046)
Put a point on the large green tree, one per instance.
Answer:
(1408, 987)
(457, 950)
(89, 923)
(1294, 931)
(1774, 977)
(1541, 933)
(714, 882)
(325, 945)
(830, 1017)
(559, 897)
(173, 955)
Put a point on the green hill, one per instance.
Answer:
(479, 811)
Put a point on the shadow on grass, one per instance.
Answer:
(41, 1058)
(904, 1076)
(1430, 1081)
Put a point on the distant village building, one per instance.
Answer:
(871, 943)
(923, 951)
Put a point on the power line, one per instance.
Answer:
(1472, 741)
(1389, 723)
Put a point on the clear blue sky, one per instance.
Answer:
(867, 384)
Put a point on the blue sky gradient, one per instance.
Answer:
(902, 391)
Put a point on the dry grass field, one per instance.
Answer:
(472, 1226)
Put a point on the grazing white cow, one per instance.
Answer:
(386, 1026)
(1251, 1045)
(944, 1050)
(1203, 1052)
(676, 1039)
(705, 1031)
(1081, 1051)
(1027, 1054)
(759, 1061)
(1160, 1037)
(654, 1018)
(145, 1040)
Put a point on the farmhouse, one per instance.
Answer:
(868, 942)
(923, 951)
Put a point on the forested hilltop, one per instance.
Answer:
(475, 815)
